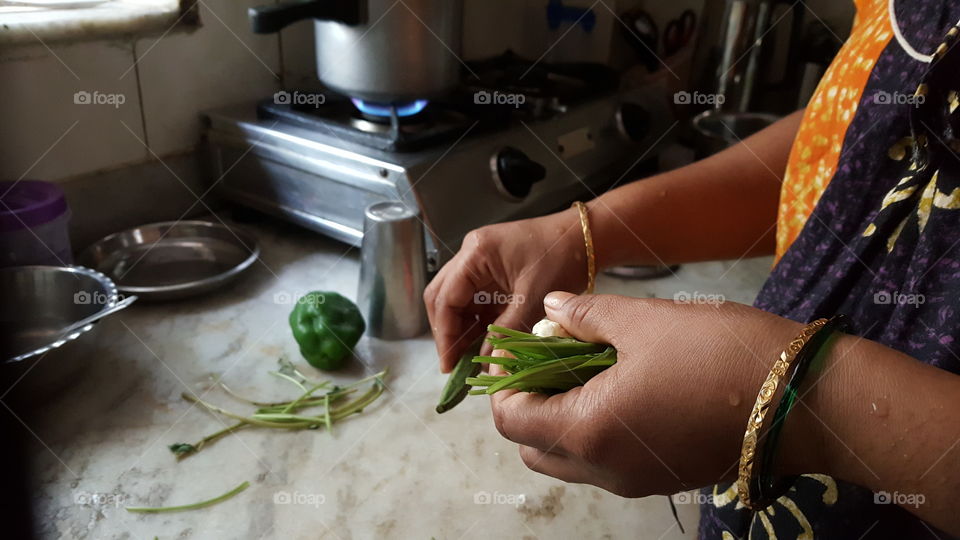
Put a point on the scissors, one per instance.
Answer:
(679, 32)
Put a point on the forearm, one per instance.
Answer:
(886, 422)
(721, 207)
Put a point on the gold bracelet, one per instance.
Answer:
(747, 473)
(588, 240)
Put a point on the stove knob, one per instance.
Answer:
(633, 121)
(515, 173)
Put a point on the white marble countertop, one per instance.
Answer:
(399, 470)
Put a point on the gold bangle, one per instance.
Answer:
(588, 240)
(747, 473)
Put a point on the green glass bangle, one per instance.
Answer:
(769, 488)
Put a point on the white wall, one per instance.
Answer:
(164, 83)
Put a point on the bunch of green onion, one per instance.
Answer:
(540, 364)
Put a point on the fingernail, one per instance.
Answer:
(556, 299)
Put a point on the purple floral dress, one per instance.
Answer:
(882, 246)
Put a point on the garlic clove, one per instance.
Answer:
(548, 328)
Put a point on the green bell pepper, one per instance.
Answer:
(326, 326)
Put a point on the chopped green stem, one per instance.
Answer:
(509, 332)
(250, 420)
(190, 449)
(237, 396)
(360, 403)
(289, 378)
(202, 504)
(334, 397)
(286, 414)
(286, 417)
(293, 404)
(326, 413)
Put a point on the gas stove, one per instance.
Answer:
(516, 140)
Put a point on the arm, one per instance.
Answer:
(670, 414)
(886, 422)
(722, 207)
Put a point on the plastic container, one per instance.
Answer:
(34, 219)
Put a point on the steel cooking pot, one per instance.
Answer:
(378, 50)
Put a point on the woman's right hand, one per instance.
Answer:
(500, 275)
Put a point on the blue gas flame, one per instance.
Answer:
(384, 109)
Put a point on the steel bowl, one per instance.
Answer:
(718, 130)
(38, 303)
(171, 260)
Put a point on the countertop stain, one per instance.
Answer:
(550, 505)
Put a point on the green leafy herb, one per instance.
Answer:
(182, 448)
(457, 388)
(541, 364)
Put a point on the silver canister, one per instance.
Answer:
(393, 272)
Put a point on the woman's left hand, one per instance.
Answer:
(670, 414)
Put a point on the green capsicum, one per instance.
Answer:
(326, 326)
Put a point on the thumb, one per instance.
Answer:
(587, 317)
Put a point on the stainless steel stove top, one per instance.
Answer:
(315, 176)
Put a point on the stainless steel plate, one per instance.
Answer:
(170, 260)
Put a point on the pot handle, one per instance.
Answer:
(272, 18)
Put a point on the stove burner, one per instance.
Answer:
(547, 90)
(386, 110)
(407, 127)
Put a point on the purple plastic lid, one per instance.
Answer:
(29, 203)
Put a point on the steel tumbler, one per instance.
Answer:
(393, 272)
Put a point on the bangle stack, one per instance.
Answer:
(757, 487)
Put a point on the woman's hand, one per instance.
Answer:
(501, 274)
(670, 414)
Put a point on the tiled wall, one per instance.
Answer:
(162, 82)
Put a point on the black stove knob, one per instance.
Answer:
(515, 173)
(633, 121)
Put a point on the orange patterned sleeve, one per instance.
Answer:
(816, 149)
